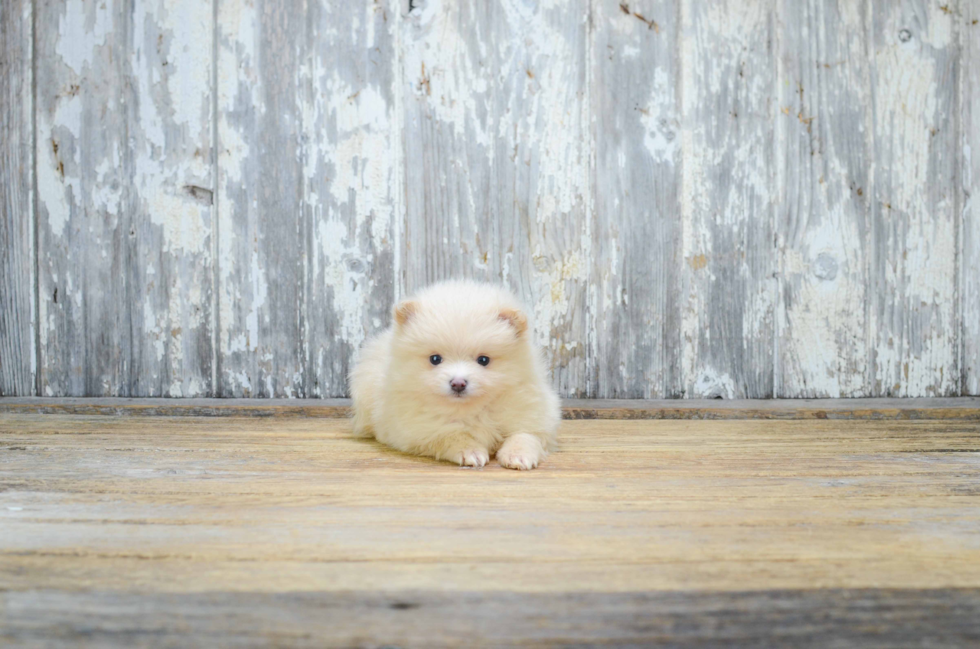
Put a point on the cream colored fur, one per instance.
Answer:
(508, 408)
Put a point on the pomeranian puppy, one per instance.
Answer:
(457, 378)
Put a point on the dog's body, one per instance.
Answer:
(457, 378)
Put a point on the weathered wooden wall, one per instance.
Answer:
(17, 299)
(742, 198)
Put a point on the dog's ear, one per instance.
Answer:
(405, 310)
(516, 319)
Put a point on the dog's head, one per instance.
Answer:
(459, 342)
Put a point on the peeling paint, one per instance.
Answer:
(918, 350)
(969, 257)
(82, 29)
(727, 311)
(823, 330)
(659, 118)
(54, 186)
(773, 209)
(123, 127)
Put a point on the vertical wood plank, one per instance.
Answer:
(307, 191)
(968, 151)
(17, 281)
(124, 197)
(496, 145)
(448, 142)
(727, 208)
(540, 194)
(914, 259)
(350, 178)
(824, 215)
(636, 258)
(262, 258)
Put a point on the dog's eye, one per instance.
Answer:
(435, 359)
(483, 360)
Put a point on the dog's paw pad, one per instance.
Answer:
(519, 461)
(474, 457)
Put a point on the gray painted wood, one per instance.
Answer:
(728, 284)
(447, 139)
(124, 197)
(307, 191)
(262, 254)
(968, 148)
(700, 199)
(17, 340)
(351, 185)
(496, 146)
(914, 309)
(637, 257)
(824, 175)
(540, 191)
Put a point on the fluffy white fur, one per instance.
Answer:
(508, 407)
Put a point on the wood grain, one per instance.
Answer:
(811, 618)
(824, 210)
(351, 181)
(960, 408)
(541, 185)
(728, 288)
(124, 197)
(447, 137)
(263, 228)
(731, 198)
(637, 261)
(18, 360)
(968, 22)
(914, 221)
(254, 518)
(308, 187)
(496, 161)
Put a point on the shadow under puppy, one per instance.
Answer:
(457, 378)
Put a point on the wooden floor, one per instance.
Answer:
(187, 531)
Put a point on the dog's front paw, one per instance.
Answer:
(521, 452)
(515, 459)
(472, 457)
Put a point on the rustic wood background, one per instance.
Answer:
(696, 198)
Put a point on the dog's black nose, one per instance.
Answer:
(458, 385)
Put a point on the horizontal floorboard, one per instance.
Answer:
(809, 618)
(961, 408)
(245, 531)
